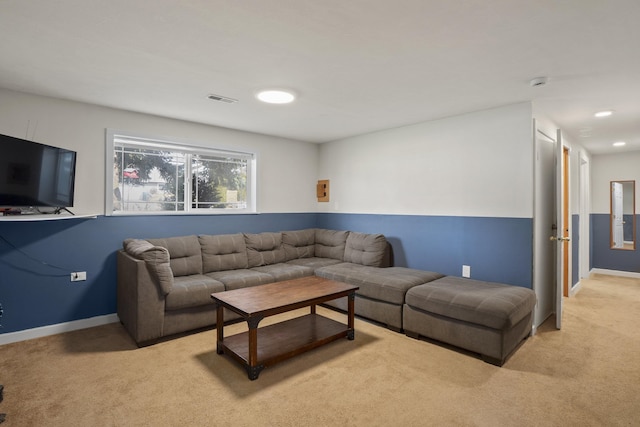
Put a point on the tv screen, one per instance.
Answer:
(33, 174)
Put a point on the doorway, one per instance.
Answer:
(551, 225)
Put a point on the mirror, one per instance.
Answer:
(623, 215)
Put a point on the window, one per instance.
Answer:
(158, 176)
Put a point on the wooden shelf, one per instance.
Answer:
(286, 339)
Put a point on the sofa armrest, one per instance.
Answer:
(140, 301)
(157, 260)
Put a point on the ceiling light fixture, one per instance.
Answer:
(619, 144)
(605, 113)
(276, 96)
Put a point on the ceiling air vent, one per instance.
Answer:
(221, 98)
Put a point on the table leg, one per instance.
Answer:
(219, 328)
(313, 309)
(351, 315)
(253, 368)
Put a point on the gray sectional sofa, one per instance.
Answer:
(165, 285)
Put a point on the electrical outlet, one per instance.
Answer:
(466, 271)
(78, 276)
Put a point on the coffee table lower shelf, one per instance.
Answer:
(283, 340)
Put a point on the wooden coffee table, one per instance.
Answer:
(261, 347)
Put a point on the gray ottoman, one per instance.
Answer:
(487, 318)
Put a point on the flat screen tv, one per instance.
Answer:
(35, 175)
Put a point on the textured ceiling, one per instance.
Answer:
(358, 66)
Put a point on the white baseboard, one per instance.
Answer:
(615, 273)
(574, 290)
(57, 329)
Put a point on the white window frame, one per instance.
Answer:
(187, 148)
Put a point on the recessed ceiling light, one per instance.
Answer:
(276, 96)
(619, 144)
(585, 132)
(605, 113)
(538, 81)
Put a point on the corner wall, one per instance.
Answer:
(446, 192)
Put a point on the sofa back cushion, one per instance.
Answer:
(365, 249)
(223, 252)
(264, 249)
(330, 243)
(299, 243)
(184, 254)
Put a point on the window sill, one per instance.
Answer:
(192, 213)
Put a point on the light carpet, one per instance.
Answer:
(587, 374)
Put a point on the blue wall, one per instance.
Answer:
(35, 294)
(497, 249)
(575, 249)
(602, 256)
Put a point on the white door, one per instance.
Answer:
(618, 219)
(544, 219)
(560, 225)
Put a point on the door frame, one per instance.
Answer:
(584, 259)
(566, 215)
(563, 225)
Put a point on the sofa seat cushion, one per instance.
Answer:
(192, 291)
(184, 253)
(493, 305)
(384, 284)
(283, 271)
(223, 252)
(314, 262)
(264, 249)
(241, 278)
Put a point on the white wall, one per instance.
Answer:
(287, 170)
(476, 164)
(612, 167)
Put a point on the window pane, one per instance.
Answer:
(148, 180)
(219, 182)
(163, 176)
